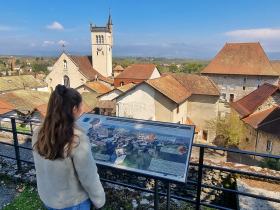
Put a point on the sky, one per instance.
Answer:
(141, 28)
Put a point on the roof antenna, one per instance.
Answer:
(63, 47)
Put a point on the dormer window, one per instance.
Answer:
(65, 64)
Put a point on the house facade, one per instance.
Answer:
(136, 74)
(260, 113)
(240, 68)
(167, 99)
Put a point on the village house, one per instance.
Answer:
(260, 113)
(175, 99)
(117, 70)
(240, 68)
(97, 87)
(136, 74)
(27, 82)
(276, 67)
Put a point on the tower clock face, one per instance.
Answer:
(99, 47)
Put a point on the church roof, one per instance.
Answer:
(137, 71)
(242, 59)
(85, 67)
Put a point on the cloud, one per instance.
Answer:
(6, 28)
(55, 26)
(255, 34)
(46, 43)
(62, 42)
(32, 44)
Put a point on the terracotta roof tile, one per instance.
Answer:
(107, 104)
(241, 58)
(126, 87)
(267, 121)
(170, 87)
(137, 71)
(111, 81)
(118, 68)
(198, 84)
(5, 107)
(276, 66)
(166, 73)
(90, 99)
(252, 101)
(189, 122)
(99, 87)
(18, 82)
(84, 64)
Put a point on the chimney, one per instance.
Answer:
(36, 76)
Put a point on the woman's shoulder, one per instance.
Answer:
(78, 130)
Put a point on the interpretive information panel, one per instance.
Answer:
(148, 147)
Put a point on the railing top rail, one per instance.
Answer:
(237, 151)
(16, 118)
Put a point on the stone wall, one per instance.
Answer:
(271, 101)
(211, 177)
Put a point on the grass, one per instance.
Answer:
(23, 129)
(28, 199)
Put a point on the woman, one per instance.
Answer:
(66, 173)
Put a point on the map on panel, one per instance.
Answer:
(149, 147)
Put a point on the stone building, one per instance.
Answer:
(136, 74)
(117, 70)
(73, 70)
(240, 68)
(180, 99)
(260, 112)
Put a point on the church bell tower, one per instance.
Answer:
(101, 45)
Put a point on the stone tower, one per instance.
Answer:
(102, 43)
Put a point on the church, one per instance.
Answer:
(74, 70)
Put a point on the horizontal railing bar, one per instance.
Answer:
(238, 172)
(21, 119)
(7, 156)
(23, 147)
(237, 151)
(19, 132)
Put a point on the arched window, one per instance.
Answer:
(99, 39)
(65, 64)
(96, 39)
(66, 81)
(102, 53)
(102, 39)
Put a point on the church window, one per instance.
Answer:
(82, 80)
(102, 39)
(66, 81)
(99, 39)
(102, 53)
(97, 52)
(96, 39)
(65, 64)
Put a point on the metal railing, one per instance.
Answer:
(197, 202)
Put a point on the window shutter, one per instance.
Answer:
(227, 97)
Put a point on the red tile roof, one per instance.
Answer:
(189, 122)
(252, 101)
(170, 87)
(98, 87)
(126, 87)
(42, 109)
(276, 66)
(106, 104)
(137, 71)
(241, 58)
(163, 74)
(118, 68)
(198, 84)
(5, 107)
(85, 67)
(111, 81)
(267, 121)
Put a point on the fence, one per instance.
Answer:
(197, 202)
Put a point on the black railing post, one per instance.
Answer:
(168, 197)
(29, 117)
(156, 195)
(14, 128)
(200, 166)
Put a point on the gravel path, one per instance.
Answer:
(10, 150)
(8, 192)
(248, 203)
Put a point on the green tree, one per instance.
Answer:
(270, 163)
(158, 66)
(42, 58)
(17, 61)
(125, 64)
(190, 68)
(39, 67)
(37, 58)
(2, 67)
(230, 130)
(173, 68)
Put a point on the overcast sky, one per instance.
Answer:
(41, 27)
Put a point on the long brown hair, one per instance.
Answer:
(57, 133)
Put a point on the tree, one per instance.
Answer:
(230, 131)
(17, 61)
(42, 58)
(37, 58)
(39, 67)
(173, 68)
(158, 66)
(2, 67)
(270, 163)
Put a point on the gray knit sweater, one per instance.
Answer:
(72, 180)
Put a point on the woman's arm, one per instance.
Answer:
(87, 171)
